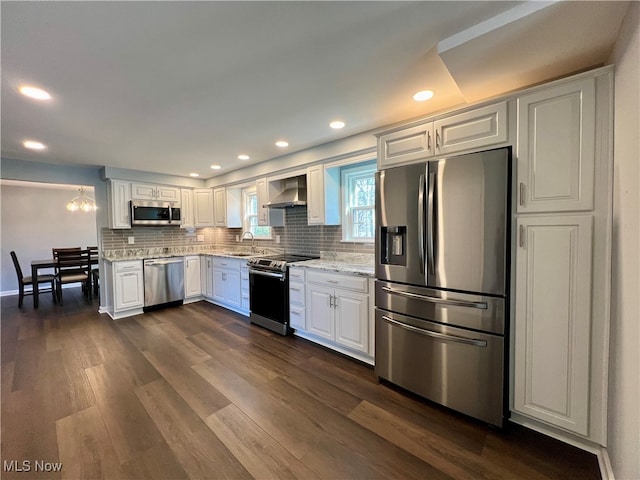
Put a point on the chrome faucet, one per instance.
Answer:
(253, 240)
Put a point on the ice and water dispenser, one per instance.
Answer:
(394, 246)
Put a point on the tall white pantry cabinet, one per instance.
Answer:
(563, 224)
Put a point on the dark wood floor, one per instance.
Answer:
(198, 392)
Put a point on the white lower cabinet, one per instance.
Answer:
(226, 283)
(192, 278)
(244, 287)
(297, 313)
(338, 309)
(553, 320)
(207, 276)
(124, 283)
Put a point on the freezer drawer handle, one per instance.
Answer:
(439, 336)
(426, 298)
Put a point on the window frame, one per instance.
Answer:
(248, 192)
(348, 174)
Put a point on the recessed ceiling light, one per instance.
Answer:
(337, 124)
(423, 95)
(216, 167)
(33, 145)
(194, 174)
(243, 157)
(282, 144)
(34, 92)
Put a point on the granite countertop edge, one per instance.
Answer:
(364, 270)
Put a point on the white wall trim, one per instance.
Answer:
(606, 470)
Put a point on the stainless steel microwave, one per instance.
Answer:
(154, 213)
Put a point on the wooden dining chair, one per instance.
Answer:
(28, 281)
(95, 271)
(72, 266)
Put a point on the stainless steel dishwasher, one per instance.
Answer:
(163, 281)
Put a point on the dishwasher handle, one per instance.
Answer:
(163, 261)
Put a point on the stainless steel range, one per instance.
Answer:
(269, 291)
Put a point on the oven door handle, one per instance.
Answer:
(268, 274)
(443, 301)
(439, 336)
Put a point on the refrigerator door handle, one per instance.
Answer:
(439, 336)
(421, 223)
(443, 301)
(431, 264)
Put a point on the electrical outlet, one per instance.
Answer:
(200, 238)
(277, 238)
(237, 238)
(132, 240)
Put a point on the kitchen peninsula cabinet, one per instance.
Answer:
(192, 278)
(124, 284)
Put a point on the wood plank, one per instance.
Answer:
(30, 364)
(444, 455)
(200, 453)
(85, 447)
(156, 463)
(70, 389)
(258, 452)
(201, 396)
(119, 405)
(171, 337)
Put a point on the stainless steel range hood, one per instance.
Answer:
(294, 193)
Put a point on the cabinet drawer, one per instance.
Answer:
(296, 274)
(296, 293)
(357, 283)
(297, 317)
(227, 263)
(128, 266)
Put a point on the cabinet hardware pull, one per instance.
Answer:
(521, 234)
(521, 194)
(295, 289)
(428, 140)
(332, 281)
(335, 302)
(437, 138)
(330, 301)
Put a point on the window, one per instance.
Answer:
(250, 222)
(358, 202)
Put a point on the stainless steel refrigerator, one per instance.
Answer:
(442, 283)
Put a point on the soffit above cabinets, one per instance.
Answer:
(531, 43)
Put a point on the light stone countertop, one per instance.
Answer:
(351, 263)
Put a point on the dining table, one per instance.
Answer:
(44, 264)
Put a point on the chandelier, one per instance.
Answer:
(82, 202)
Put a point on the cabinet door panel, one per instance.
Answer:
(220, 207)
(315, 195)
(470, 130)
(233, 288)
(120, 195)
(169, 194)
(352, 320)
(406, 145)
(129, 290)
(143, 191)
(192, 283)
(553, 318)
(320, 319)
(203, 207)
(556, 155)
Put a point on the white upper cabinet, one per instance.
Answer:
(267, 216)
(147, 191)
(186, 207)
(460, 133)
(471, 130)
(119, 196)
(556, 142)
(203, 207)
(220, 207)
(323, 196)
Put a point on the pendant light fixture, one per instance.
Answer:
(82, 203)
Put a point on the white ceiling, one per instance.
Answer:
(173, 87)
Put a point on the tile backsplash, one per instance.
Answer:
(295, 237)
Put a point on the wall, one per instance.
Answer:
(624, 376)
(295, 237)
(35, 219)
